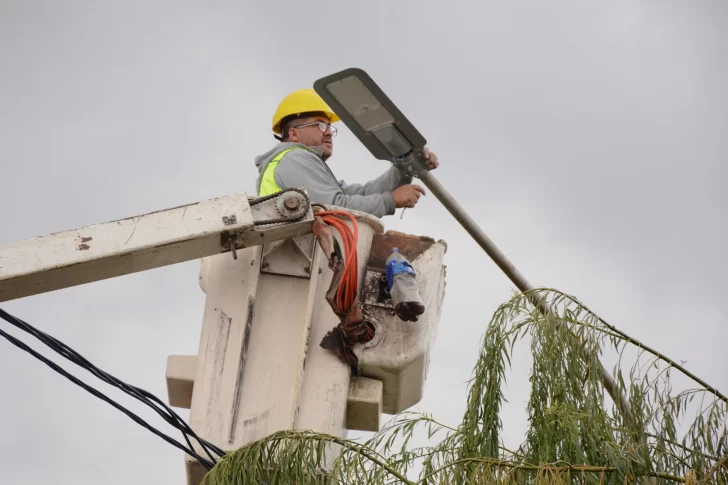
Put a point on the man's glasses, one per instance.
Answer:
(321, 126)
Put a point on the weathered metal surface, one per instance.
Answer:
(180, 379)
(231, 286)
(325, 389)
(139, 243)
(118, 247)
(241, 368)
(364, 405)
(409, 246)
(293, 205)
(249, 376)
(292, 257)
(260, 369)
(399, 354)
(229, 221)
(375, 292)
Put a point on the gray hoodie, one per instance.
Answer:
(307, 170)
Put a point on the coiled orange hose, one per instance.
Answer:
(349, 287)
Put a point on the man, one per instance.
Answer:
(302, 124)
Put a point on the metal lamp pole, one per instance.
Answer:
(499, 258)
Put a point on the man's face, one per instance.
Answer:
(312, 135)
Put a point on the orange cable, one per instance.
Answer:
(348, 289)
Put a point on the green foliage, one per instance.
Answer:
(574, 435)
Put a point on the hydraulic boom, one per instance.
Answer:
(149, 241)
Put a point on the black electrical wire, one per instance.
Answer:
(137, 393)
(103, 397)
(140, 394)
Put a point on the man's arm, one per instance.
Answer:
(387, 182)
(302, 169)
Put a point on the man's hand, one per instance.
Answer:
(431, 159)
(407, 195)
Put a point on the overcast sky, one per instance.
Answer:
(587, 138)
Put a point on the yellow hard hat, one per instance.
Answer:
(301, 101)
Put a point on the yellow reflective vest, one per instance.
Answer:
(268, 183)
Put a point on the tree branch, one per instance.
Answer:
(645, 347)
(520, 466)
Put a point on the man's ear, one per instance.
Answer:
(292, 136)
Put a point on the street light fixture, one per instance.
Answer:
(373, 118)
(369, 113)
(388, 134)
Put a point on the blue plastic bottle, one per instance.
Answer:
(403, 287)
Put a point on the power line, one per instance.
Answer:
(142, 395)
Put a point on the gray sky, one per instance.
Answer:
(587, 141)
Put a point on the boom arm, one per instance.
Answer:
(149, 241)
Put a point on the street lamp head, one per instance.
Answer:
(370, 114)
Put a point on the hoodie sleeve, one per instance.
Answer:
(302, 169)
(387, 182)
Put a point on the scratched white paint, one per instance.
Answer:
(229, 286)
(260, 368)
(363, 406)
(134, 244)
(399, 354)
(326, 380)
(119, 247)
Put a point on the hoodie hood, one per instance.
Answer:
(262, 161)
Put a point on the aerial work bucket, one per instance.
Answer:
(261, 367)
